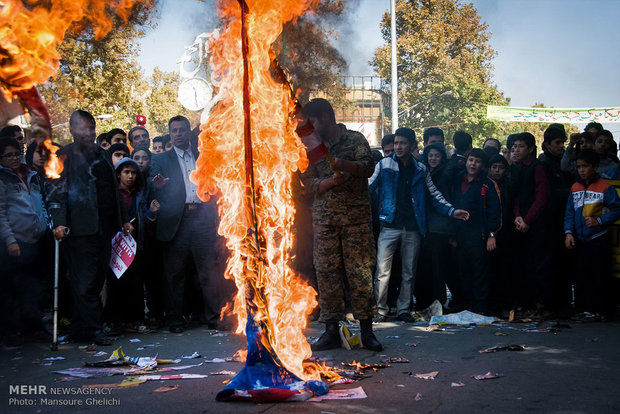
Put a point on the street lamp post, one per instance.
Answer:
(394, 70)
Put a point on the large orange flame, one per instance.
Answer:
(30, 32)
(278, 152)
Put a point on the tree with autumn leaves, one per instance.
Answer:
(103, 76)
(444, 66)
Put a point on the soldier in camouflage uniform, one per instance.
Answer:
(343, 241)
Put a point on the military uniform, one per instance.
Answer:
(343, 241)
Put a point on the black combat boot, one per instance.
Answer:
(369, 341)
(330, 338)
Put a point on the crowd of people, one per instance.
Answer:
(113, 182)
(533, 225)
(499, 226)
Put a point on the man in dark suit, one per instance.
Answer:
(186, 227)
(89, 204)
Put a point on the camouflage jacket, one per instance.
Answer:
(349, 202)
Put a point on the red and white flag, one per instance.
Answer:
(315, 148)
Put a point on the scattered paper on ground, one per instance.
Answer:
(343, 381)
(428, 375)
(178, 367)
(92, 372)
(132, 382)
(192, 356)
(418, 397)
(170, 377)
(502, 348)
(350, 394)
(166, 388)
(457, 384)
(488, 375)
(463, 318)
(215, 360)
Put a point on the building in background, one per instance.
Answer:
(363, 106)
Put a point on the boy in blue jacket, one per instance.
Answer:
(592, 206)
(404, 186)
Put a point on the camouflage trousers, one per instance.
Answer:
(339, 252)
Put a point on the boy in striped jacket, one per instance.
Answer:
(592, 207)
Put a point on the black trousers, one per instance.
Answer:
(125, 295)
(195, 240)
(434, 267)
(535, 276)
(503, 277)
(473, 260)
(592, 274)
(88, 260)
(23, 285)
(153, 277)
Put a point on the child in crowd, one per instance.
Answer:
(151, 251)
(117, 152)
(603, 145)
(577, 142)
(502, 279)
(592, 206)
(474, 192)
(142, 156)
(436, 265)
(533, 237)
(125, 303)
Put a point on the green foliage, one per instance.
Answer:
(444, 66)
(101, 76)
(304, 49)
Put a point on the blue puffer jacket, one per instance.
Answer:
(385, 178)
(22, 213)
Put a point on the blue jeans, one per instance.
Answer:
(409, 249)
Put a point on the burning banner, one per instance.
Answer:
(30, 32)
(249, 152)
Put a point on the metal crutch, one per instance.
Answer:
(56, 262)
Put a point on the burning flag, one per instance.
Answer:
(31, 31)
(29, 35)
(249, 152)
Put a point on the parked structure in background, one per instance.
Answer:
(364, 107)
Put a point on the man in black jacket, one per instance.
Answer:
(88, 203)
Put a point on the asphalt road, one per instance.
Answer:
(572, 370)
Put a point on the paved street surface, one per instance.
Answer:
(572, 370)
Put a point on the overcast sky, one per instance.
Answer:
(563, 53)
